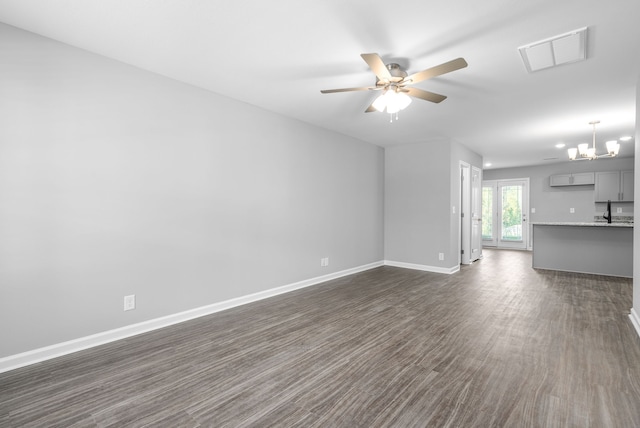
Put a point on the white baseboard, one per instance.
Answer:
(425, 268)
(48, 352)
(635, 320)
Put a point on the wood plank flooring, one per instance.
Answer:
(497, 345)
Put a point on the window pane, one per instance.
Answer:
(512, 213)
(487, 213)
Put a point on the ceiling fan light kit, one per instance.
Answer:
(391, 100)
(394, 81)
(584, 152)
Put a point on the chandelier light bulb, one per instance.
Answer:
(612, 147)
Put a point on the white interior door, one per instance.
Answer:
(476, 213)
(465, 218)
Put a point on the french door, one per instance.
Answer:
(505, 204)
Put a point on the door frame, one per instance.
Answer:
(497, 218)
(464, 219)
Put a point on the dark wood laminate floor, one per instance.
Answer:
(496, 345)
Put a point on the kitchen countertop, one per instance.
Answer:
(588, 224)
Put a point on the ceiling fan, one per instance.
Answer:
(394, 83)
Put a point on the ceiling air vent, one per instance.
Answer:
(554, 51)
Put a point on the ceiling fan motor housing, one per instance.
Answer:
(395, 70)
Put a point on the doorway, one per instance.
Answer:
(505, 204)
(470, 213)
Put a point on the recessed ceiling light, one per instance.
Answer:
(627, 138)
(560, 145)
(488, 164)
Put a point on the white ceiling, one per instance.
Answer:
(279, 54)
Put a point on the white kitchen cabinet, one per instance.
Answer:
(615, 186)
(583, 178)
(626, 186)
(560, 180)
(577, 179)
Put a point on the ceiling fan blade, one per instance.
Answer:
(370, 109)
(425, 95)
(438, 70)
(377, 65)
(364, 88)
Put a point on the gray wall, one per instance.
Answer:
(417, 198)
(553, 203)
(116, 181)
(422, 184)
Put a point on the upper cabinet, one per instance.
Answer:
(626, 186)
(578, 179)
(614, 186)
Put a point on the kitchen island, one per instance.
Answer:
(598, 248)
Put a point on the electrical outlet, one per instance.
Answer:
(440, 256)
(130, 302)
(619, 210)
(572, 210)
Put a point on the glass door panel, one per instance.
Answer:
(488, 235)
(511, 202)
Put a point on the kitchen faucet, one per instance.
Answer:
(607, 214)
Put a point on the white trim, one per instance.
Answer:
(57, 350)
(635, 320)
(425, 268)
(458, 218)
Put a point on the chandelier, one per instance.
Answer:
(584, 152)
